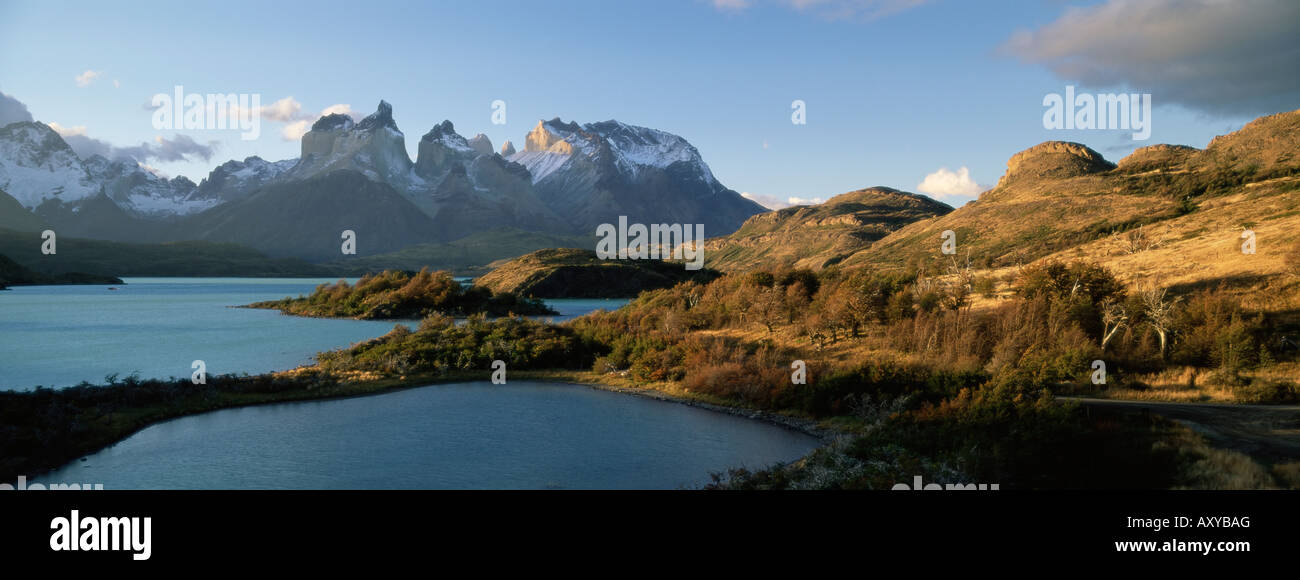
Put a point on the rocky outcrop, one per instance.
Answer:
(481, 144)
(1054, 160)
(374, 147)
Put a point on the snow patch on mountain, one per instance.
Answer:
(551, 144)
(142, 192)
(37, 165)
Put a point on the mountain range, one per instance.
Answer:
(357, 175)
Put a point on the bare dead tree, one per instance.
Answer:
(961, 282)
(1113, 318)
(1159, 310)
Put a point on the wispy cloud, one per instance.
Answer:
(161, 149)
(85, 78)
(830, 9)
(283, 110)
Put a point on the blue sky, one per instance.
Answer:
(895, 89)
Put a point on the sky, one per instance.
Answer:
(929, 96)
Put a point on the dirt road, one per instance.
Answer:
(1268, 432)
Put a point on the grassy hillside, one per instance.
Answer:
(573, 273)
(1059, 197)
(820, 235)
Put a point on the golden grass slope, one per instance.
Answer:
(815, 236)
(1172, 213)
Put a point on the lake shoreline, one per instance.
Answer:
(114, 431)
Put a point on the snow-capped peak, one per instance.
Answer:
(445, 134)
(550, 145)
(36, 165)
(641, 146)
(382, 118)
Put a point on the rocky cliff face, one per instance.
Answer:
(470, 189)
(374, 147)
(481, 144)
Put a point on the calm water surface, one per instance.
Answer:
(523, 435)
(58, 336)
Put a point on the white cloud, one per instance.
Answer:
(297, 121)
(68, 131)
(283, 110)
(341, 109)
(773, 202)
(84, 79)
(1214, 56)
(948, 183)
(803, 200)
(295, 130)
(117, 84)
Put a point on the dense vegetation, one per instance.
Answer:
(14, 274)
(166, 259)
(574, 273)
(929, 385)
(934, 386)
(400, 294)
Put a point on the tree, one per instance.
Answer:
(1113, 318)
(958, 284)
(1159, 311)
(769, 306)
